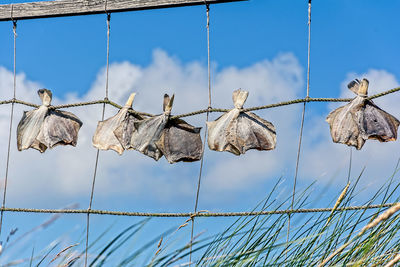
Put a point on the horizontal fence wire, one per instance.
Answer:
(196, 214)
(274, 105)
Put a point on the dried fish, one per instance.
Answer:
(237, 131)
(124, 131)
(158, 136)
(180, 141)
(361, 120)
(107, 137)
(148, 131)
(44, 128)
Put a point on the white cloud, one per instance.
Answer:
(66, 172)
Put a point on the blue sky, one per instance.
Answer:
(258, 45)
(346, 36)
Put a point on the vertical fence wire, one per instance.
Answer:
(350, 164)
(11, 122)
(98, 151)
(302, 120)
(205, 132)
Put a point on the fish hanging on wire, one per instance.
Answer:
(46, 127)
(173, 138)
(361, 120)
(237, 131)
(180, 141)
(111, 133)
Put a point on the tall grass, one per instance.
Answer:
(258, 240)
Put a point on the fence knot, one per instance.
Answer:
(197, 214)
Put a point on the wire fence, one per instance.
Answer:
(208, 110)
(202, 213)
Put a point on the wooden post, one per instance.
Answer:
(63, 8)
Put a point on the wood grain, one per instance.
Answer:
(63, 8)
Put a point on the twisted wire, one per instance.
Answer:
(88, 103)
(302, 119)
(11, 120)
(98, 150)
(205, 132)
(202, 111)
(350, 164)
(384, 93)
(195, 214)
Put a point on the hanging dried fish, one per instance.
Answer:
(237, 131)
(158, 136)
(147, 132)
(180, 141)
(106, 137)
(124, 131)
(361, 120)
(44, 128)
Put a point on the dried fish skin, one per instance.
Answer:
(124, 131)
(361, 120)
(237, 131)
(344, 125)
(158, 136)
(252, 132)
(378, 124)
(147, 132)
(105, 138)
(59, 128)
(180, 141)
(217, 132)
(44, 128)
(29, 128)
